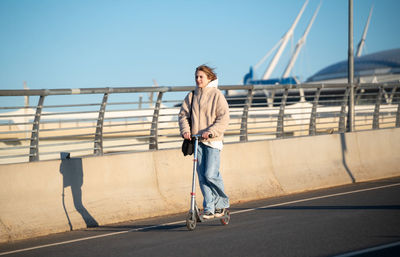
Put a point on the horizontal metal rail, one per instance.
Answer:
(121, 122)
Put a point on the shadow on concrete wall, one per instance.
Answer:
(344, 150)
(72, 172)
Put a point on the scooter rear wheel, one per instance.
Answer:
(191, 221)
(227, 217)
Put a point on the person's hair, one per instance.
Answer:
(211, 75)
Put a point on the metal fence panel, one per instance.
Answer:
(99, 121)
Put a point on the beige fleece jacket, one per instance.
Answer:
(210, 112)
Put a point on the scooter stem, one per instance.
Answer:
(193, 194)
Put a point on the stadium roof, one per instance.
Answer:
(375, 64)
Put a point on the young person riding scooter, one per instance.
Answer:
(209, 113)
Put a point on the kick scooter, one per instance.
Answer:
(195, 215)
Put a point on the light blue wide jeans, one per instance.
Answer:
(210, 179)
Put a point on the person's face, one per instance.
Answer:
(201, 79)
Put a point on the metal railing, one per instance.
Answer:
(99, 121)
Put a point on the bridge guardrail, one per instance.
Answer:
(99, 121)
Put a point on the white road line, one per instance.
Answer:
(92, 237)
(368, 250)
(315, 198)
(183, 221)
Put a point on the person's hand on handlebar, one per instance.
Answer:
(187, 136)
(206, 135)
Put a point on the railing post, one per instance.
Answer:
(342, 118)
(245, 116)
(98, 139)
(398, 116)
(279, 126)
(34, 148)
(375, 120)
(153, 142)
(313, 117)
(392, 95)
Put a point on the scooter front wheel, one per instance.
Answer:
(191, 221)
(226, 218)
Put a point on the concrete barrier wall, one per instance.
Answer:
(55, 196)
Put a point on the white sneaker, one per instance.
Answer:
(208, 215)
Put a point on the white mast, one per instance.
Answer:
(267, 55)
(364, 36)
(299, 45)
(285, 40)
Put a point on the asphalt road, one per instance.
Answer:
(361, 219)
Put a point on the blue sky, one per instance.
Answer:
(120, 43)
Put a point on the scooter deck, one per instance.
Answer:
(195, 216)
(201, 219)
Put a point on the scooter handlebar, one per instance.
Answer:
(200, 136)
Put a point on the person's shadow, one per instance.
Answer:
(72, 172)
